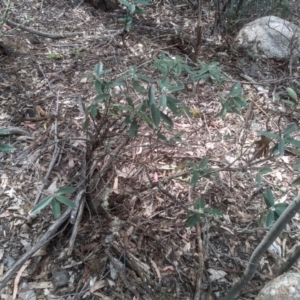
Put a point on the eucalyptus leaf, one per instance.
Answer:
(65, 201)
(42, 204)
(65, 190)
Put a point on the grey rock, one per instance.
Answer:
(271, 37)
(286, 286)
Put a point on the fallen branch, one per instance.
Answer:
(47, 237)
(42, 33)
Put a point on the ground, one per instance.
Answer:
(129, 240)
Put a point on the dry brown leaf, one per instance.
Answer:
(262, 147)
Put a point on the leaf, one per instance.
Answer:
(239, 102)
(203, 162)
(236, 89)
(275, 149)
(98, 68)
(155, 114)
(146, 119)
(281, 145)
(133, 129)
(4, 132)
(136, 85)
(192, 220)
(177, 88)
(151, 94)
(6, 148)
(270, 219)
(269, 134)
(66, 201)
(172, 107)
(294, 142)
(212, 211)
(268, 197)
(265, 170)
(42, 204)
(292, 93)
(166, 119)
(101, 97)
(289, 129)
(262, 147)
(65, 190)
(200, 203)
(163, 101)
(280, 208)
(195, 178)
(296, 181)
(55, 206)
(161, 136)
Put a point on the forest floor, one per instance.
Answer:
(137, 246)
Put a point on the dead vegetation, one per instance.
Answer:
(128, 239)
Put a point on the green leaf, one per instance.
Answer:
(200, 203)
(173, 108)
(146, 119)
(289, 129)
(269, 134)
(163, 101)
(42, 204)
(166, 119)
(203, 163)
(4, 132)
(212, 211)
(239, 102)
(296, 181)
(101, 97)
(164, 82)
(236, 90)
(268, 197)
(144, 78)
(151, 94)
(65, 190)
(98, 68)
(123, 107)
(292, 93)
(136, 85)
(265, 170)
(133, 129)
(66, 201)
(294, 142)
(161, 136)
(155, 114)
(55, 208)
(129, 101)
(195, 178)
(142, 2)
(280, 208)
(177, 88)
(281, 145)
(6, 148)
(270, 219)
(192, 220)
(275, 149)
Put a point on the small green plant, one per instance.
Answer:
(233, 101)
(156, 99)
(262, 171)
(274, 211)
(200, 210)
(198, 170)
(5, 147)
(55, 201)
(132, 8)
(282, 140)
